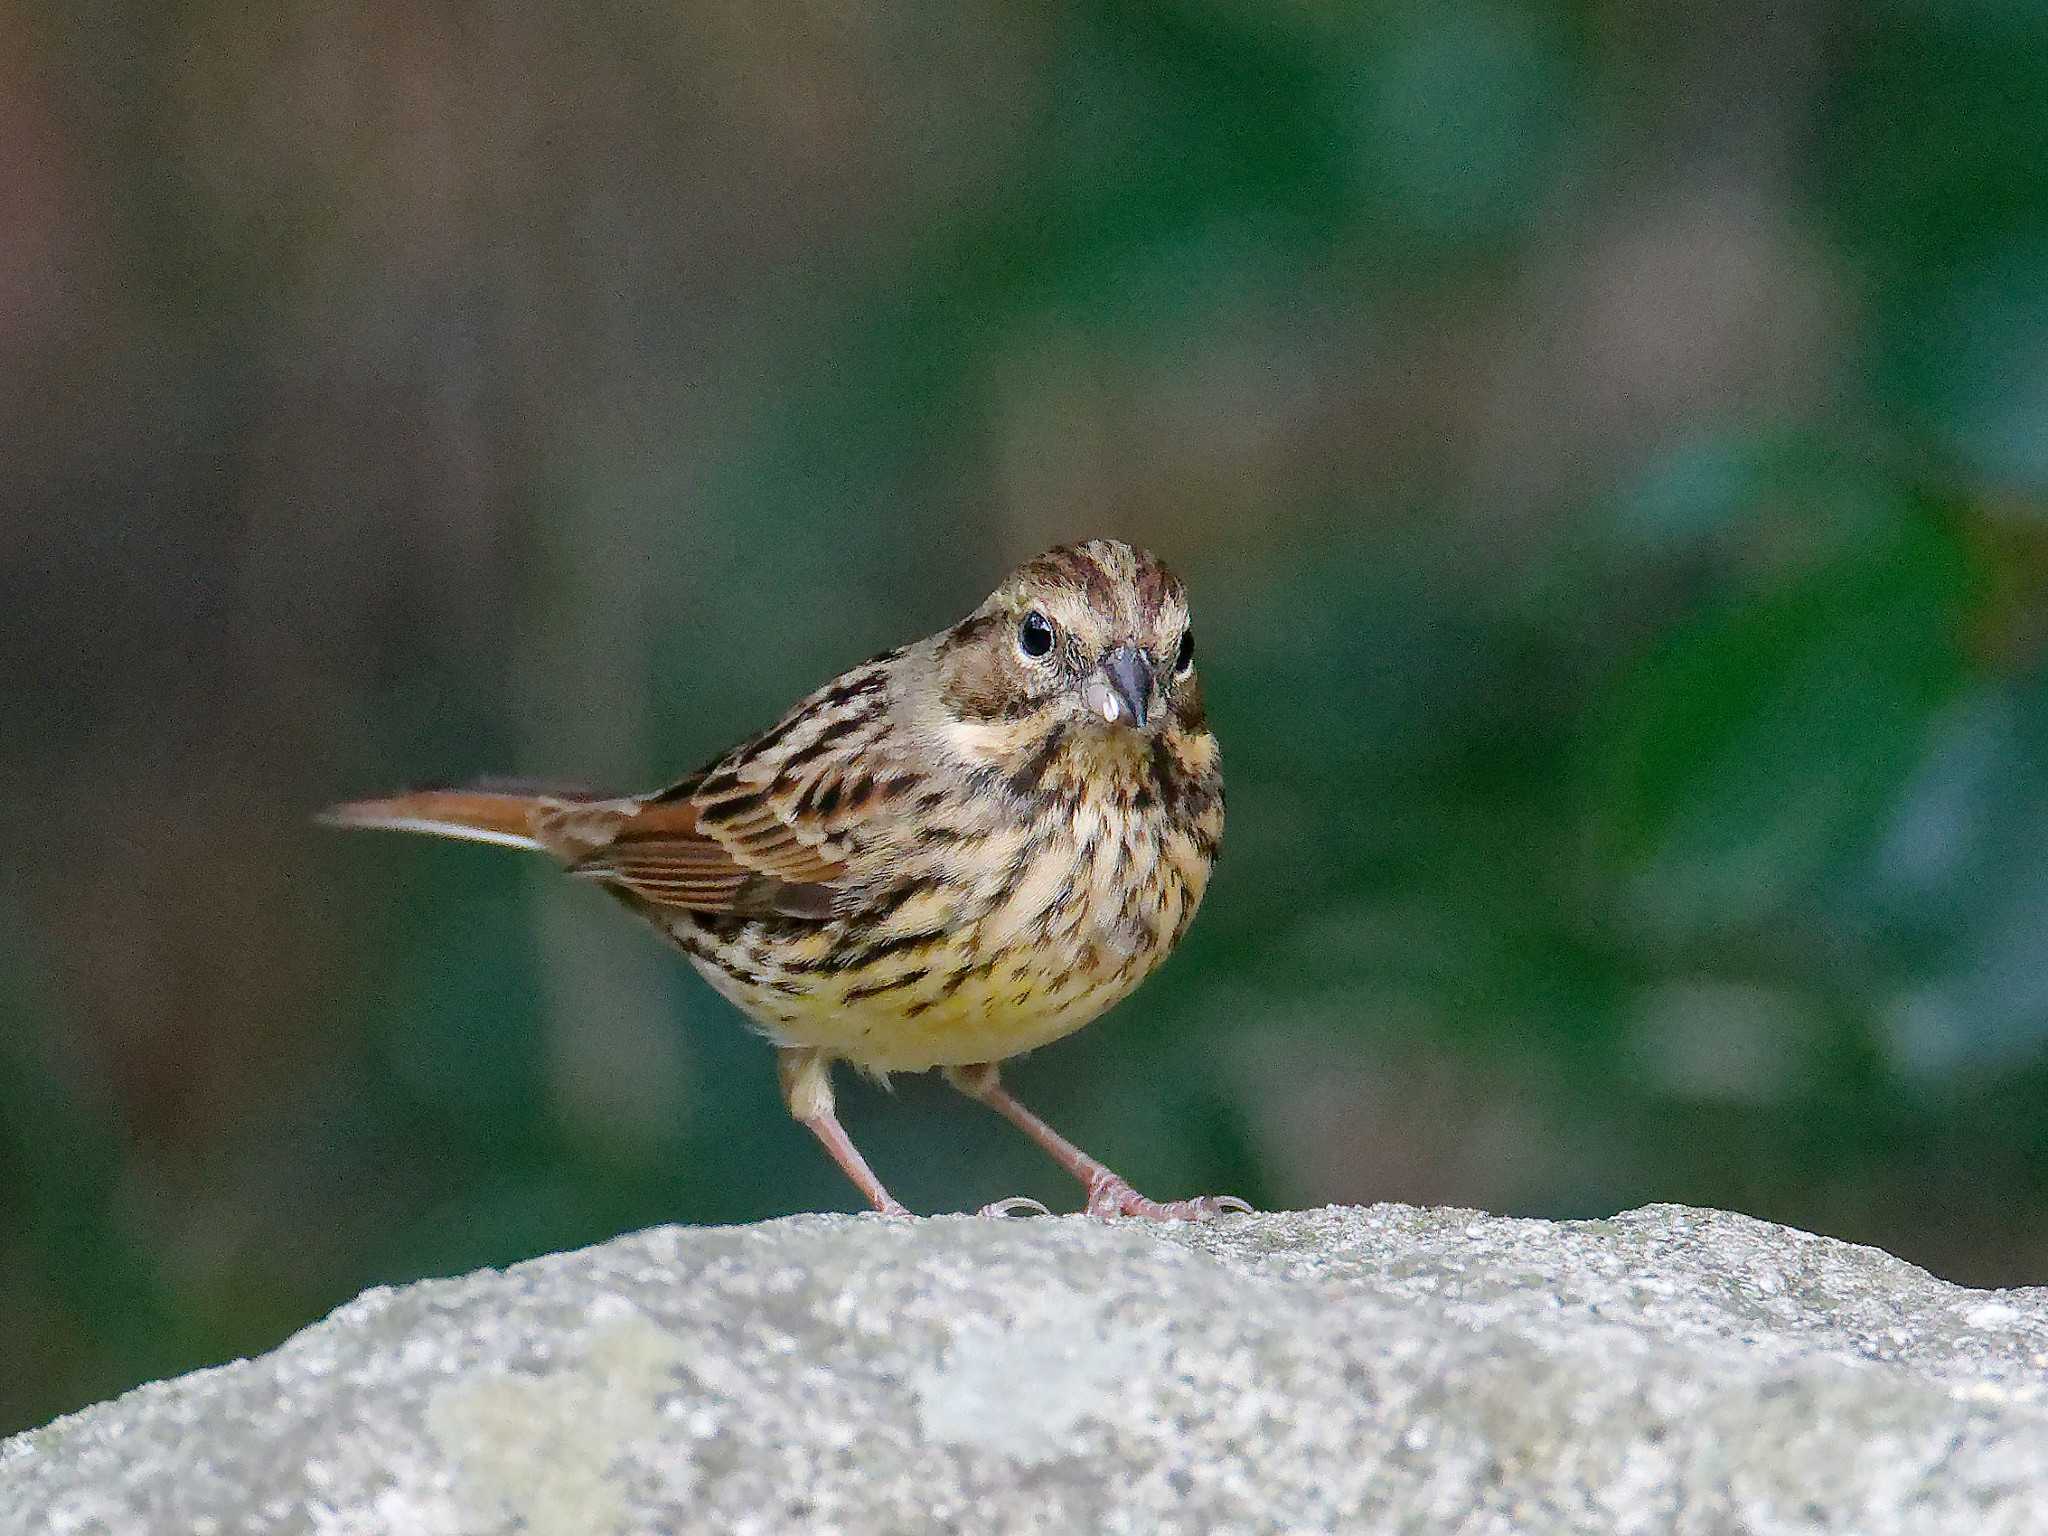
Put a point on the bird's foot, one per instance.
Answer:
(1012, 1206)
(1109, 1195)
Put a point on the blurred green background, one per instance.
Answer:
(1606, 446)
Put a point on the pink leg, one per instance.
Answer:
(832, 1135)
(807, 1089)
(1108, 1193)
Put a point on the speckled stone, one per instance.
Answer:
(1388, 1369)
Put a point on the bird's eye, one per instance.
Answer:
(1034, 635)
(1184, 661)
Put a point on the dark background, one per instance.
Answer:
(1604, 444)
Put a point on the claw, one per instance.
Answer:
(1012, 1206)
(1111, 1196)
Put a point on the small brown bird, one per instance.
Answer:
(956, 852)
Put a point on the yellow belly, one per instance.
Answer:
(987, 1017)
(957, 976)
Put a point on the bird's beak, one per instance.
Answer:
(1121, 690)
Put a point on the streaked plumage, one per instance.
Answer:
(954, 852)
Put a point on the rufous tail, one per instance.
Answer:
(474, 815)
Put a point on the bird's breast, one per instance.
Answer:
(978, 944)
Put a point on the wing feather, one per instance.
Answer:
(766, 829)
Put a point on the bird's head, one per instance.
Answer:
(1088, 647)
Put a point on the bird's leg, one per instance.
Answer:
(807, 1090)
(1108, 1193)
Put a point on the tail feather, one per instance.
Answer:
(473, 815)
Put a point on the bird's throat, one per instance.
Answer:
(1069, 760)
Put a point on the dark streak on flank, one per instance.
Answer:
(902, 943)
(854, 956)
(885, 902)
(734, 969)
(876, 989)
(955, 980)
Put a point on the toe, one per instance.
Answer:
(1111, 1196)
(1128, 1202)
(1013, 1206)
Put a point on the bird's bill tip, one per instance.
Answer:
(1121, 689)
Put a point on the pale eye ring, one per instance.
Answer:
(1035, 636)
(1184, 659)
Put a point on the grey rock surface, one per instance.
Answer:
(1389, 1369)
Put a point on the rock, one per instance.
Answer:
(1388, 1369)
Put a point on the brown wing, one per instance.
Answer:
(783, 824)
(669, 854)
(653, 847)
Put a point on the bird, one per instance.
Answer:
(952, 853)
